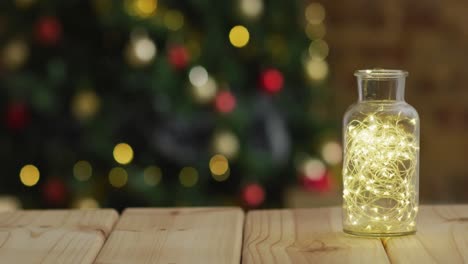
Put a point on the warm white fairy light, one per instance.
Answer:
(380, 170)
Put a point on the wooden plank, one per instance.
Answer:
(442, 237)
(54, 236)
(184, 235)
(305, 236)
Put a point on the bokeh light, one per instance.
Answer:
(14, 54)
(178, 56)
(145, 50)
(225, 102)
(318, 49)
(313, 169)
(205, 93)
(123, 153)
(316, 69)
(332, 153)
(141, 50)
(322, 184)
(86, 203)
(29, 175)
(82, 170)
(152, 175)
(17, 116)
(239, 36)
(226, 143)
(253, 195)
(9, 203)
(188, 176)
(118, 177)
(315, 13)
(141, 8)
(48, 30)
(219, 167)
(198, 76)
(272, 80)
(54, 191)
(173, 20)
(85, 104)
(145, 7)
(251, 8)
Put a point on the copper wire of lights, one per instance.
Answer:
(380, 167)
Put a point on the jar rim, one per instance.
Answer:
(380, 73)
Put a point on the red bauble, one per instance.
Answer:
(272, 80)
(17, 116)
(178, 56)
(322, 184)
(54, 191)
(48, 31)
(225, 102)
(253, 195)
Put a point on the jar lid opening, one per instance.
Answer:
(380, 73)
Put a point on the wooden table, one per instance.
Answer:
(222, 235)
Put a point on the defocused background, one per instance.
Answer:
(110, 103)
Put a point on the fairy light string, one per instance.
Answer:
(380, 167)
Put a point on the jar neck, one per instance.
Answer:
(381, 89)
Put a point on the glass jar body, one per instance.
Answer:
(380, 168)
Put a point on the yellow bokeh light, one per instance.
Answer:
(145, 8)
(251, 8)
(82, 170)
(219, 167)
(85, 104)
(222, 177)
(152, 175)
(226, 143)
(315, 13)
(318, 49)
(239, 36)
(29, 175)
(188, 176)
(205, 93)
(316, 69)
(118, 177)
(86, 203)
(123, 153)
(174, 20)
(14, 54)
(332, 153)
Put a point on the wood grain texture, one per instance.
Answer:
(54, 236)
(184, 235)
(441, 237)
(305, 236)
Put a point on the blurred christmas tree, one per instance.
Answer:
(140, 102)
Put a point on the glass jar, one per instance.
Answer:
(381, 157)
